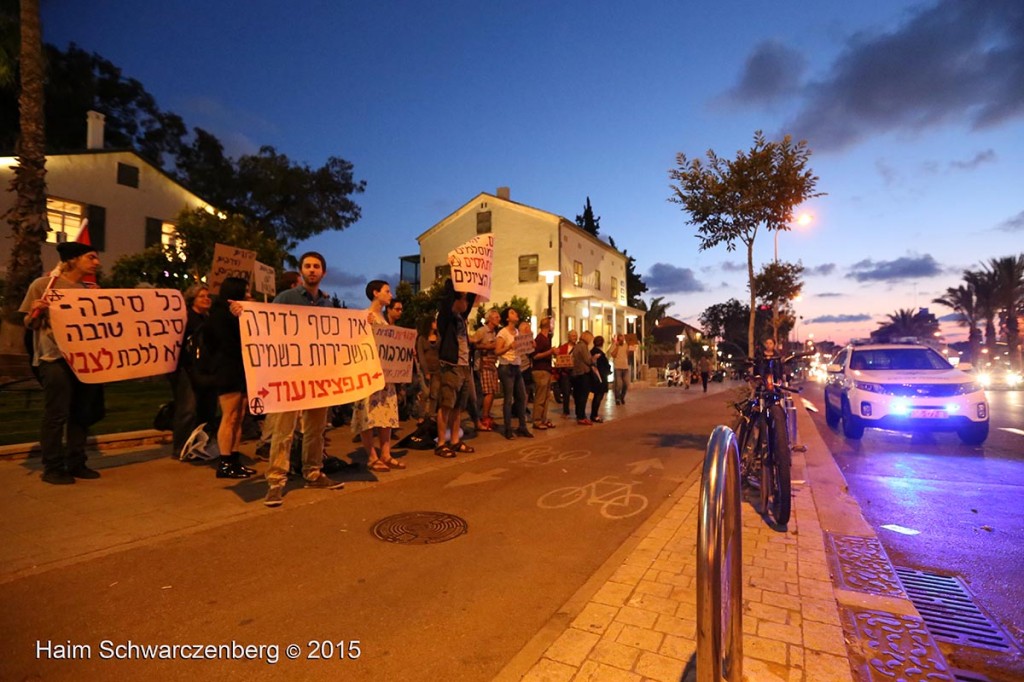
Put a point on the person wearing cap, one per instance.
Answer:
(67, 402)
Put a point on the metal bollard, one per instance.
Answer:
(719, 563)
(791, 426)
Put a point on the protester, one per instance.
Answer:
(704, 366)
(526, 348)
(511, 376)
(485, 340)
(620, 358)
(563, 375)
(378, 411)
(602, 368)
(223, 341)
(193, 404)
(428, 364)
(68, 404)
(541, 369)
(582, 376)
(313, 267)
(453, 354)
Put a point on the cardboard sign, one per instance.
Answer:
(264, 279)
(524, 345)
(396, 347)
(117, 334)
(298, 357)
(230, 261)
(472, 264)
(561, 361)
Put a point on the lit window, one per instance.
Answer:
(615, 289)
(597, 279)
(65, 218)
(577, 273)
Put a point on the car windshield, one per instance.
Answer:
(881, 359)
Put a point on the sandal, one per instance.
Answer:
(394, 463)
(378, 465)
(549, 424)
(484, 427)
(462, 448)
(444, 451)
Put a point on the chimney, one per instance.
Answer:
(505, 193)
(94, 130)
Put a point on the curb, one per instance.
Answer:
(110, 441)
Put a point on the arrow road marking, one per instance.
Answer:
(469, 478)
(808, 405)
(645, 465)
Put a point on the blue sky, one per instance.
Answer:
(914, 112)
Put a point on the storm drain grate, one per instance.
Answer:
(949, 611)
(419, 528)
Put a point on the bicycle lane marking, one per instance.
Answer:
(616, 499)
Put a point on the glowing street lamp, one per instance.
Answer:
(549, 277)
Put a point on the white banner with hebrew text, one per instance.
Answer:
(472, 264)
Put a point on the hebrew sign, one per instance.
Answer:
(396, 347)
(264, 279)
(230, 261)
(117, 334)
(298, 357)
(472, 264)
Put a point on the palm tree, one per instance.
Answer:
(984, 287)
(654, 312)
(962, 300)
(1008, 278)
(907, 322)
(28, 215)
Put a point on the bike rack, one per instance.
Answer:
(719, 563)
(792, 429)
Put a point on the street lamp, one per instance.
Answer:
(549, 277)
(802, 219)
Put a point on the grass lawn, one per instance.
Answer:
(131, 406)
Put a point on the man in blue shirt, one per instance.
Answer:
(312, 267)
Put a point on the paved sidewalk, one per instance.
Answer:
(820, 601)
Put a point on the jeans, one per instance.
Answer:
(541, 382)
(514, 392)
(580, 392)
(60, 391)
(621, 385)
(314, 422)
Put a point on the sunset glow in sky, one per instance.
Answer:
(914, 112)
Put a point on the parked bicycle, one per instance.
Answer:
(765, 455)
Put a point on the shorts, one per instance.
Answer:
(454, 386)
(489, 379)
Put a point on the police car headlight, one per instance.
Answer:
(869, 387)
(969, 387)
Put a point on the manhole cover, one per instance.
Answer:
(419, 528)
(949, 610)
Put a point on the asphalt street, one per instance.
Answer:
(957, 510)
(190, 559)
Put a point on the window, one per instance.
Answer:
(615, 289)
(483, 222)
(161, 232)
(127, 175)
(528, 266)
(622, 291)
(577, 273)
(597, 279)
(442, 271)
(65, 218)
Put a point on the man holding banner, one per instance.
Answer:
(312, 266)
(67, 401)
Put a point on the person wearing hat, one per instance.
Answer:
(67, 402)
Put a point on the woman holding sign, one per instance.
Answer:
(380, 410)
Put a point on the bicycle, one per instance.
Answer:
(765, 454)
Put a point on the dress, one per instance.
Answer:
(380, 409)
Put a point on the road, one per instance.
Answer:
(311, 572)
(965, 502)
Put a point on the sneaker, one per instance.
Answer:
(540, 426)
(324, 482)
(58, 477)
(275, 496)
(82, 471)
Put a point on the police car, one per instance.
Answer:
(905, 386)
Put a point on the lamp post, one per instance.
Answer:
(802, 219)
(549, 277)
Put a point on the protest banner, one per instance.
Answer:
(396, 347)
(117, 334)
(298, 357)
(264, 280)
(524, 345)
(229, 261)
(472, 264)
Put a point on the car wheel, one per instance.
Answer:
(975, 434)
(831, 414)
(853, 427)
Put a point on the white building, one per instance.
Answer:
(590, 291)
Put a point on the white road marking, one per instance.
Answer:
(644, 465)
(900, 529)
(1019, 432)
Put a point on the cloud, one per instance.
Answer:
(839, 319)
(1014, 224)
(820, 270)
(664, 278)
(952, 62)
(980, 158)
(907, 267)
(829, 294)
(733, 266)
(772, 73)
(351, 288)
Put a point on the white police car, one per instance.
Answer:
(903, 387)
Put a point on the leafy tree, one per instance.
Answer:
(635, 285)
(778, 285)
(28, 215)
(983, 284)
(520, 304)
(1008, 276)
(587, 221)
(654, 312)
(907, 322)
(728, 322)
(729, 201)
(962, 300)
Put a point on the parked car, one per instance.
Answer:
(903, 387)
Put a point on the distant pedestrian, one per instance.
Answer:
(686, 369)
(620, 359)
(69, 406)
(705, 371)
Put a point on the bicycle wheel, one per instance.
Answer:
(751, 446)
(562, 497)
(775, 471)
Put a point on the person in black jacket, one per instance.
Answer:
(453, 354)
(223, 341)
(193, 404)
(603, 368)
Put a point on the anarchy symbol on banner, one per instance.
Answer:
(256, 406)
